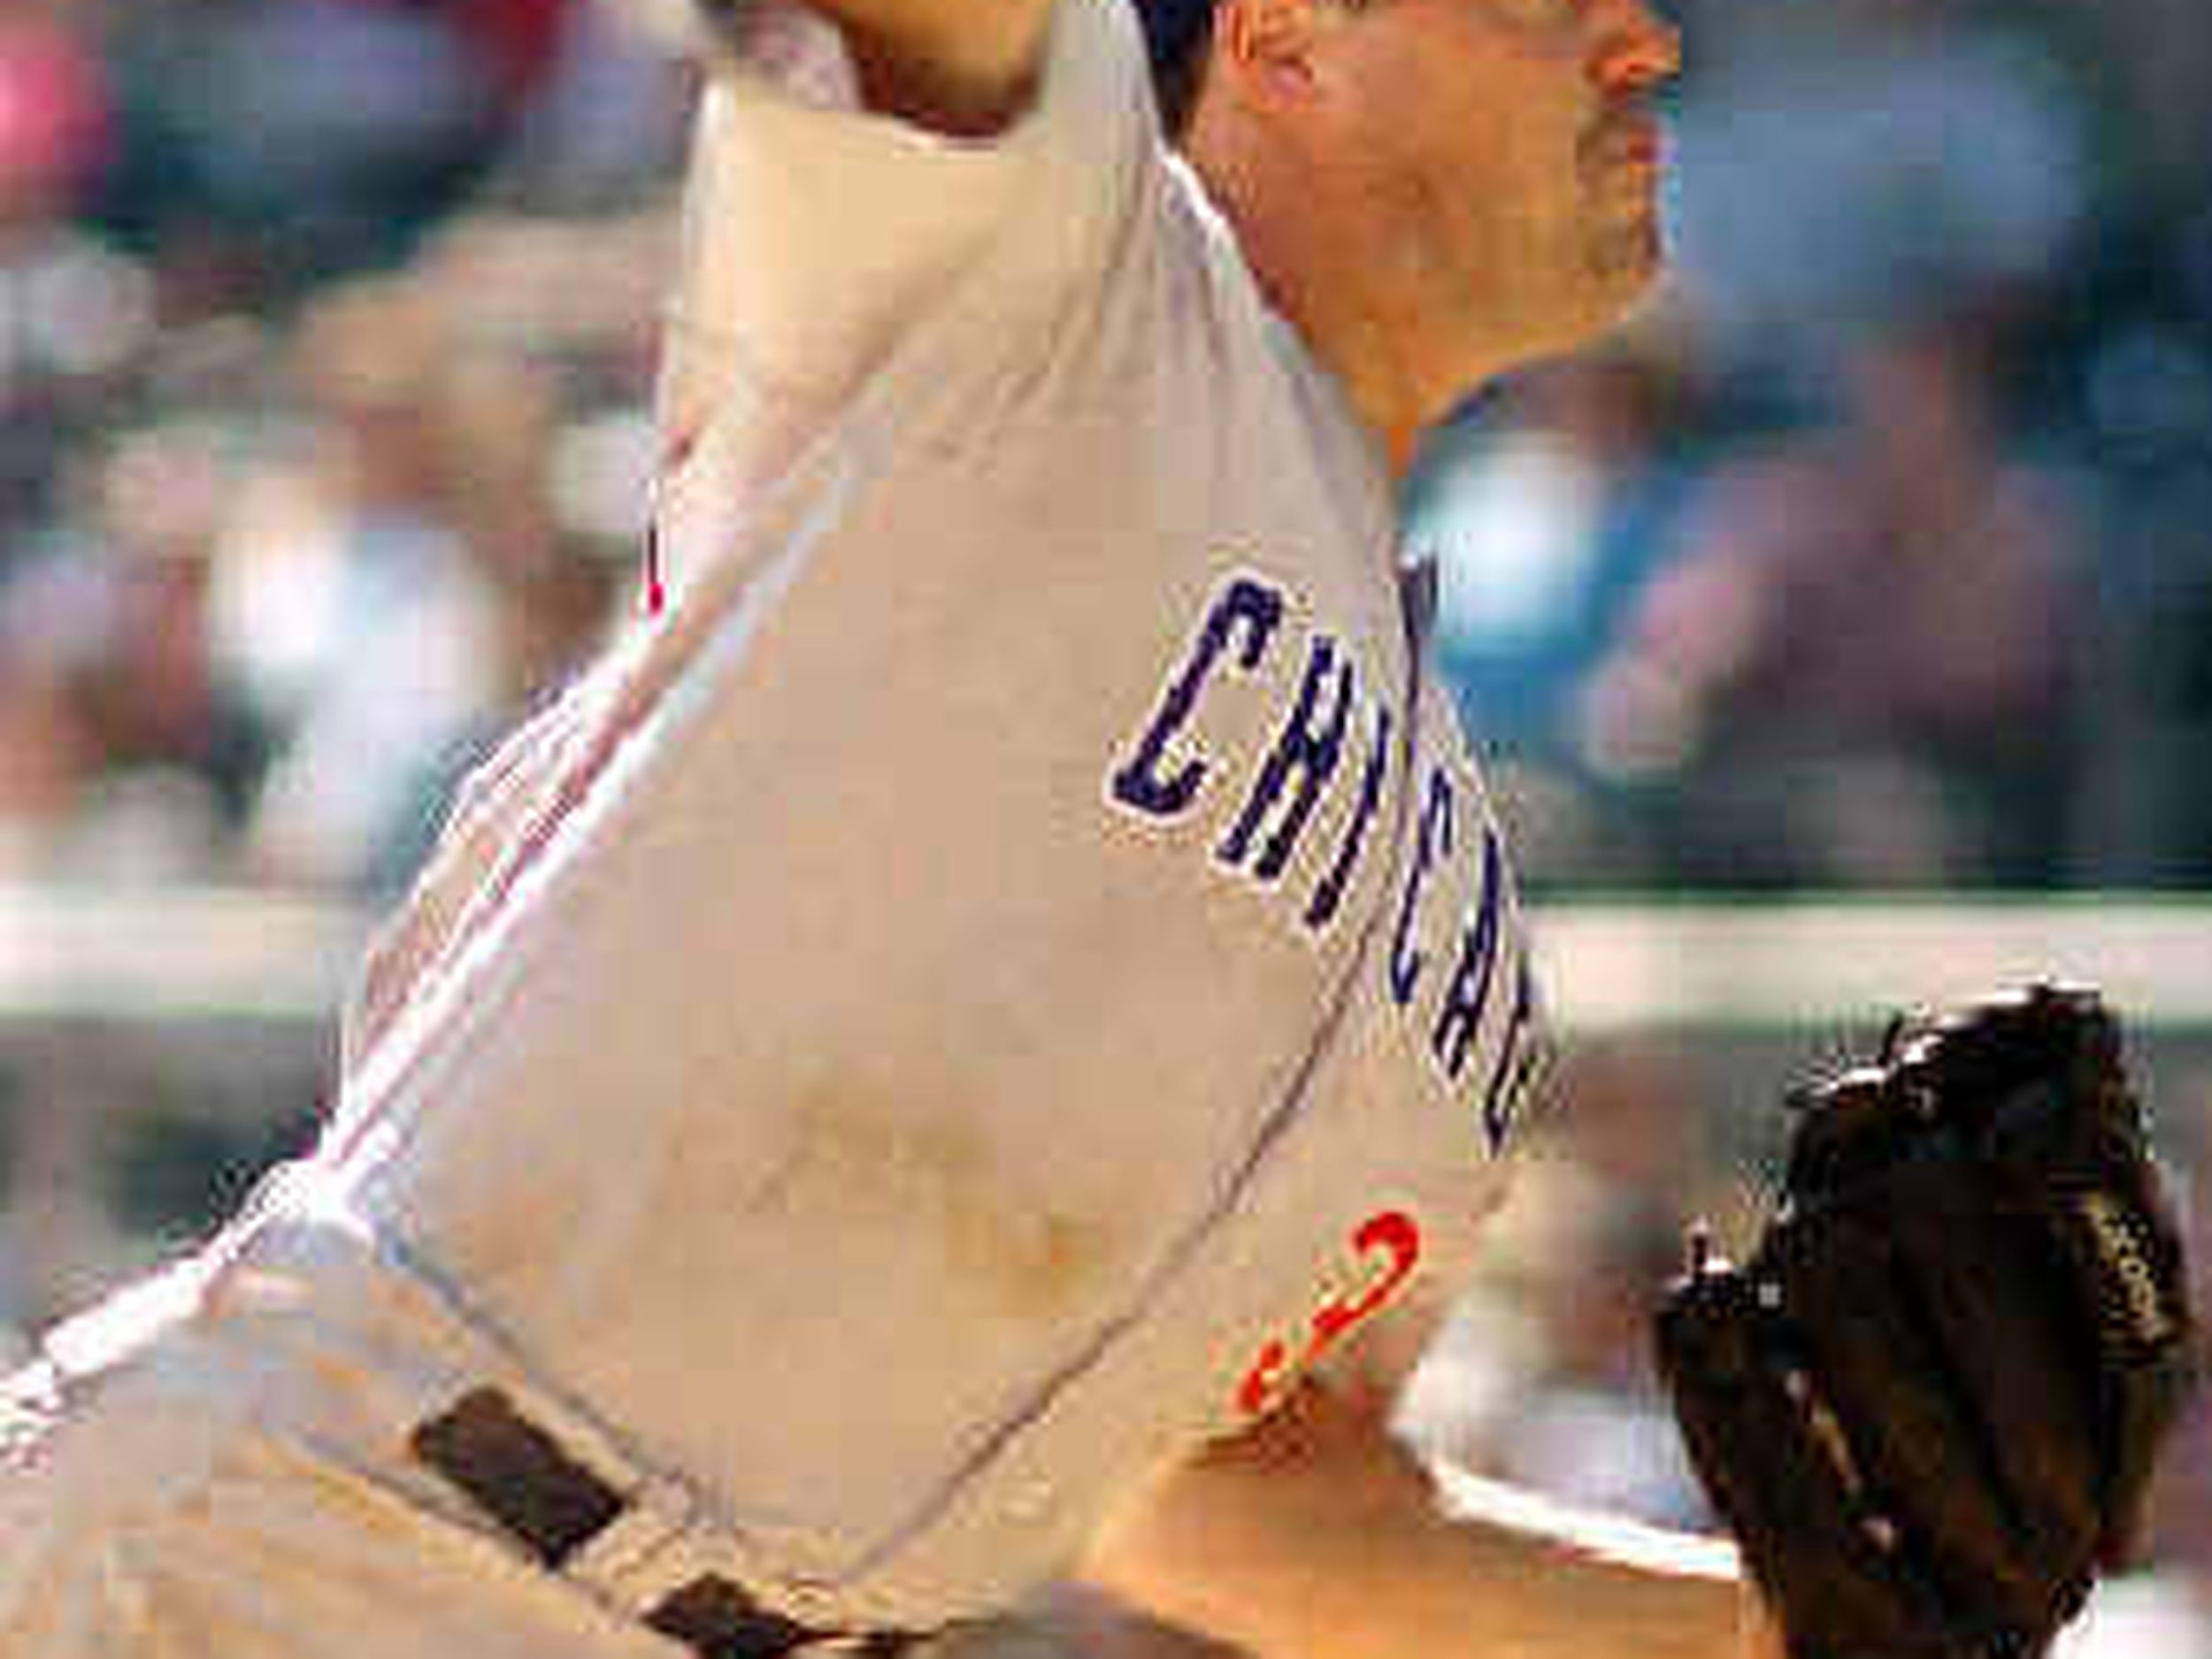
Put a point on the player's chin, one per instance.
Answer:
(1626, 262)
(1630, 250)
(1612, 289)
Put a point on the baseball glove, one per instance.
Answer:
(1930, 1404)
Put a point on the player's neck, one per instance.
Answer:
(1325, 259)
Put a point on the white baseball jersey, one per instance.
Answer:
(1008, 967)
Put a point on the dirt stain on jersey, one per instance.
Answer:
(943, 1182)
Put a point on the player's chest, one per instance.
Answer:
(1296, 758)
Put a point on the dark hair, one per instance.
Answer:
(1177, 34)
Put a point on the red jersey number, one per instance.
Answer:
(1391, 1239)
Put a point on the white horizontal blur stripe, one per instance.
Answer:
(67, 952)
(152, 953)
(1627, 967)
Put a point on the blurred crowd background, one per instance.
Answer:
(326, 334)
(1877, 556)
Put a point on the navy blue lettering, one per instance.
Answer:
(1433, 841)
(1330, 895)
(1518, 1058)
(1470, 989)
(1246, 607)
(1304, 751)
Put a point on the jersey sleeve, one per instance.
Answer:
(818, 237)
(490, 812)
(818, 240)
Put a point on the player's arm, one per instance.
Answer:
(820, 246)
(962, 66)
(1318, 1536)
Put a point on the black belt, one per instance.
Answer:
(552, 1505)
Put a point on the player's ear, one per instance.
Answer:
(1266, 49)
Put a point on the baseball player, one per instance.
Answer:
(1001, 979)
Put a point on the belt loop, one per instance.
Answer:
(517, 1474)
